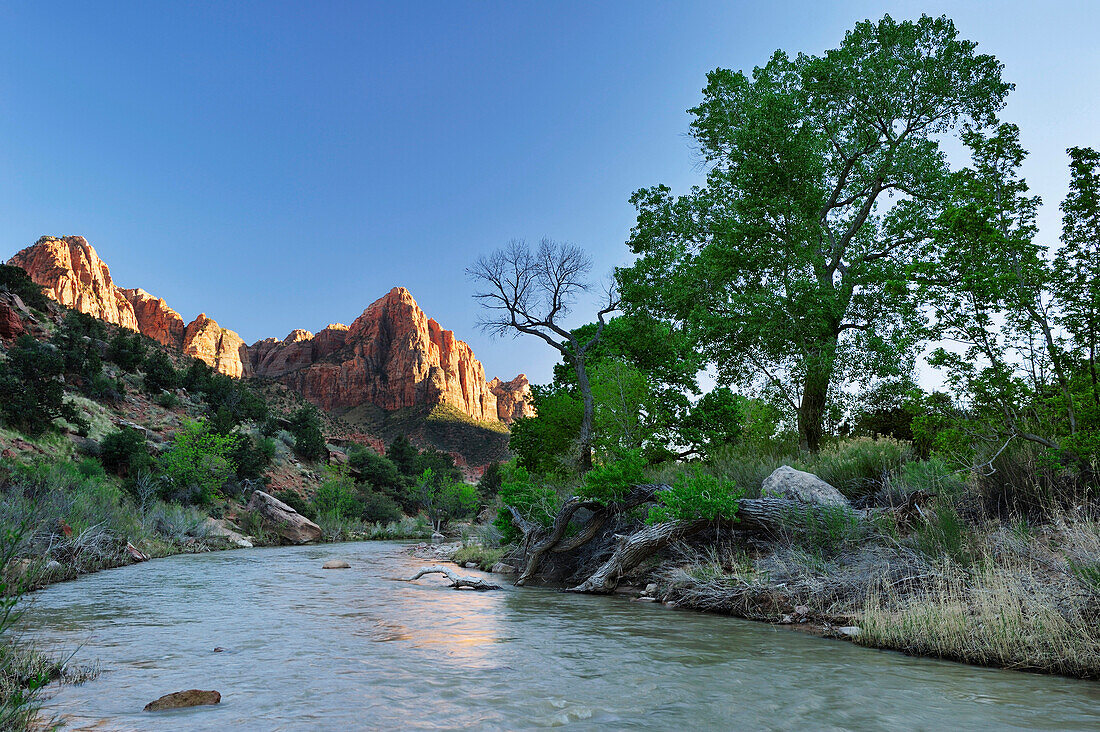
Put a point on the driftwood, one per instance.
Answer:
(458, 581)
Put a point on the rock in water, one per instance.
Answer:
(795, 485)
(184, 699)
(282, 519)
(502, 568)
(336, 564)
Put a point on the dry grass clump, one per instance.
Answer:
(1021, 605)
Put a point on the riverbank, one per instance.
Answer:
(1009, 596)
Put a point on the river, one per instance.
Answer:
(313, 649)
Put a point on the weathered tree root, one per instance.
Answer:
(458, 581)
(767, 515)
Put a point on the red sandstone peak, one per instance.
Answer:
(73, 274)
(392, 356)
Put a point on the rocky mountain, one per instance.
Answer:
(392, 358)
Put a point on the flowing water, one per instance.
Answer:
(313, 649)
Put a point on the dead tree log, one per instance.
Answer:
(458, 581)
(633, 550)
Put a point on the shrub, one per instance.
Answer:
(613, 480)
(160, 374)
(858, 468)
(696, 497)
(199, 462)
(18, 688)
(105, 389)
(252, 455)
(944, 533)
(124, 452)
(489, 485)
(77, 342)
(309, 443)
(374, 470)
(167, 399)
(337, 498)
(537, 504)
(485, 557)
(126, 349)
(378, 507)
(443, 500)
(31, 393)
(18, 282)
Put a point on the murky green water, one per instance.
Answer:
(313, 649)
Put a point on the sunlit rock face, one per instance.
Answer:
(219, 347)
(72, 273)
(513, 398)
(155, 319)
(392, 356)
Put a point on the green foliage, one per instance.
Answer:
(31, 392)
(160, 374)
(489, 484)
(168, 399)
(1087, 572)
(535, 503)
(789, 264)
(857, 468)
(697, 497)
(613, 480)
(376, 471)
(124, 452)
(199, 462)
(337, 496)
(722, 418)
(378, 507)
(18, 282)
(404, 456)
(309, 442)
(546, 443)
(126, 349)
(251, 455)
(485, 557)
(78, 341)
(443, 500)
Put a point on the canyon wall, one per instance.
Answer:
(392, 356)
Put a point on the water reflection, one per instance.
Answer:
(355, 649)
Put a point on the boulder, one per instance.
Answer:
(275, 515)
(336, 564)
(502, 568)
(796, 485)
(11, 325)
(184, 699)
(224, 529)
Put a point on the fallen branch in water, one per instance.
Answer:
(458, 581)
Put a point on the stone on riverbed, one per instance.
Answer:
(796, 485)
(184, 699)
(502, 568)
(336, 564)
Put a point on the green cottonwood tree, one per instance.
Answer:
(789, 265)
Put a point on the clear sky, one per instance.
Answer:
(283, 165)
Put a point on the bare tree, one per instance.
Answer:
(525, 290)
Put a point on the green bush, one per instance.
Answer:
(377, 507)
(126, 349)
(491, 479)
(17, 281)
(124, 452)
(697, 497)
(613, 480)
(160, 374)
(309, 442)
(199, 462)
(945, 533)
(252, 455)
(857, 468)
(77, 340)
(167, 399)
(102, 388)
(375, 470)
(443, 500)
(535, 503)
(337, 497)
(31, 393)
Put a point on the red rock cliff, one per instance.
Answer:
(392, 356)
(71, 272)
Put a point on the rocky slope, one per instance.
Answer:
(393, 357)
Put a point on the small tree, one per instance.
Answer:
(444, 500)
(126, 349)
(309, 442)
(160, 374)
(199, 462)
(532, 291)
(31, 393)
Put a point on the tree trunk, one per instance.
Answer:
(584, 439)
(815, 394)
(633, 550)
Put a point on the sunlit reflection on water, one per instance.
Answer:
(309, 649)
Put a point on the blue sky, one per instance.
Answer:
(282, 166)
